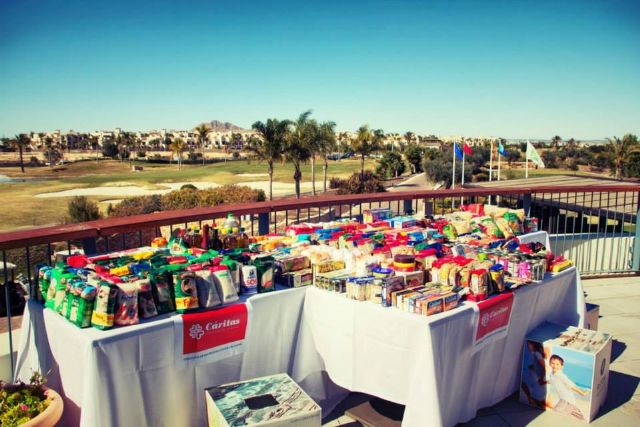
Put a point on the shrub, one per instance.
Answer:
(34, 160)
(335, 182)
(186, 198)
(357, 184)
(550, 159)
(390, 165)
(81, 209)
(110, 149)
(137, 206)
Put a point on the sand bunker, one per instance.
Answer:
(279, 189)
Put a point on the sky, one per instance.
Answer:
(514, 69)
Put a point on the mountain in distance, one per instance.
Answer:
(218, 126)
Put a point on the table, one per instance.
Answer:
(425, 363)
(127, 376)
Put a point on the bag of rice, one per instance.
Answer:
(224, 283)
(162, 289)
(104, 306)
(207, 288)
(146, 303)
(126, 305)
(185, 290)
(82, 306)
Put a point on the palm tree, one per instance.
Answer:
(177, 147)
(313, 130)
(366, 143)
(297, 146)
(20, 141)
(555, 142)
(621, 149)
(51, 148)
(269, 147)
(326, 143)
(408, 136)
(202, 132)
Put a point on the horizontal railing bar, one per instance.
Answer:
(109, 226)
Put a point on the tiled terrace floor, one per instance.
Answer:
(619, 301)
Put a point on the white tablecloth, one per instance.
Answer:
(425, 363)
(127, 376)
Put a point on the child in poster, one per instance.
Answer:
(565, 389)
(534, 378)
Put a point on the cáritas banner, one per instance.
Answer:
(492, 321)
(208, 336)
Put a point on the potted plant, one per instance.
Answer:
(29, 405)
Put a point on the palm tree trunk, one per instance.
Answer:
(202, 153)
(297, 176)
(362, 167)
(270, 165)
(21, 161)
(313, 175)
(324, 173)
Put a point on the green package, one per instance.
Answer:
(59, 281)
(186, 291)
(264, 268)
(82, 305)
(104, 307)
(162, 290)
(44, 279)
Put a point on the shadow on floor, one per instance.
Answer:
(617, 348)
(354, 399)
(621, 390)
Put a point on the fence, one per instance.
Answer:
(596, 226)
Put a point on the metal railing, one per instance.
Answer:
(596, 226)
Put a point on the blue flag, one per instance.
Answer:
(501, 150)
(458, 151)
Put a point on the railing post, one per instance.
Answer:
(263, 223)
(635, 265)
(89, 246)
(408, 206)
(526, 204)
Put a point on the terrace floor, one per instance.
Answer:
(619, 301)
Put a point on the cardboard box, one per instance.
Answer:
(275, 400)
(566, 369)
(593, 314)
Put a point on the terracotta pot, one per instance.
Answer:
(50, 416)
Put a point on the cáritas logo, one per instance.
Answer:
(195, 331)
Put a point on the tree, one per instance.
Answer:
(391, 165)
(409, 137)
(269, 146)
(177, 147)
(109, 149)
(202, 132)
(326, 143)
(512, 156)
(297, 146)
(555, 142)
(20, 142)
(313, 130)
(81, 209)
(51, 150)
(620, 149)
(366, 143)
(414, 154)
(572, 143)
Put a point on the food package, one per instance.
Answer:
(224, 283)
(44, 279)
(82, 306)
(451, 300)
(296, 279)
(104, 307)
(248, 279)
(433, 305)
(514, 223)
(146, 303)
(503, 225)
(162, 290)
(186, 290)
(126, 305)
(207, 288)
(264, 269)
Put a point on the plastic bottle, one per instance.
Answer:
(231, 223)
(216, 243)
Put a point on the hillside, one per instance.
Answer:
(218, 126)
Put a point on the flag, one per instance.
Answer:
(533, 155)
(501, 149)
(467, 149)
(457, 150)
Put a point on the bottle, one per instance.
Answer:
(205, 237)
(216, 243)
(231, 223)
(229, 241)
(243, 239)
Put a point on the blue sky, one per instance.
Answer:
(502, 68)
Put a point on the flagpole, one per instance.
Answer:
(453, 174)
(526, 165)
(462, 179)
(491, 163)
(499, 165)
